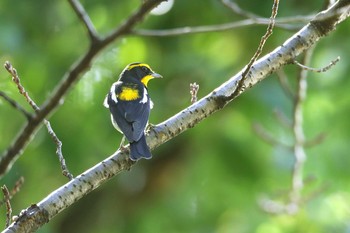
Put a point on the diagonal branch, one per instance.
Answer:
(31, 102)
(287, 23)
(16, 105)
(240, 83)
(284, 23)
(6, 193)
(17, 81)
(68, 80)
(239, 11)
(318, 70)
(283, 80)
(85, 19)
(38, 214)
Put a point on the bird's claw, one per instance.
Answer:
(149, 127)
(123, 148)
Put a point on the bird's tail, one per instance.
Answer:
(140, 149)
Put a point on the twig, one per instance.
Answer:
(17, 186)
(295, 198)
(54, 137)
(14, 190)
(283, 80)
(194, 87)
(316, 140)
(282, 118)
(16, 105)
(6, 193)
(21, 89)
(252, 19)
(85, 19)
(299, 137)
(318, 70)
(68, 80)
(277, 207)
(267, 137)
(298, 133)
(239, 11)
(283, 23)
(240, 84)
(59, 153)
(315, 193)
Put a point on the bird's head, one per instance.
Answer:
(139, 71)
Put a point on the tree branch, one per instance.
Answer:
(318, 70)
(298, 134)
(239, 11)
(16, 105)
(37, 215)
(85, 19)
(31, 102)
(252, 19)
(68, 80)
(6, 193)
(268, 33)
(17, 81)
(284, 23)
(283, 80)
(14, 190)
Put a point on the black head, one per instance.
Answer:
(139, 71)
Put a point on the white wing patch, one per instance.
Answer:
(113, 95)
(145, 96)
(105, 102)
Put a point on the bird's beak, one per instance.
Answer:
(155, 75)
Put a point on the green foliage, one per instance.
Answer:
(208, 179)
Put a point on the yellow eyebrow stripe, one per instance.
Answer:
(139, 65)
(128, 94)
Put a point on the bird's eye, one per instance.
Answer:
(144, 69)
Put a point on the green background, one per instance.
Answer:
(208, 179)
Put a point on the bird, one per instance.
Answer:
(129, 104)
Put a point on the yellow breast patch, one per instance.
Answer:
(128, 94)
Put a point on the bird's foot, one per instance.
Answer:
(123, 149)
(149, 127)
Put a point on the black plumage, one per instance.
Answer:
(130, 105)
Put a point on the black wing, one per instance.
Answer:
(130, 116)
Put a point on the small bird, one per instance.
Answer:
(130, 105)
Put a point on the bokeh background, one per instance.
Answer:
(208, 179)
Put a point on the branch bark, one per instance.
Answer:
(38, 214)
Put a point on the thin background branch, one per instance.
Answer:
(6, 193)
(69, 79)
(21, 89)
(317, 70)
(16, 105)
(85, 19)
(240, 84)
(31, 102)
(16, 188)
(295, 199)
(287, 23)
(298, 133)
